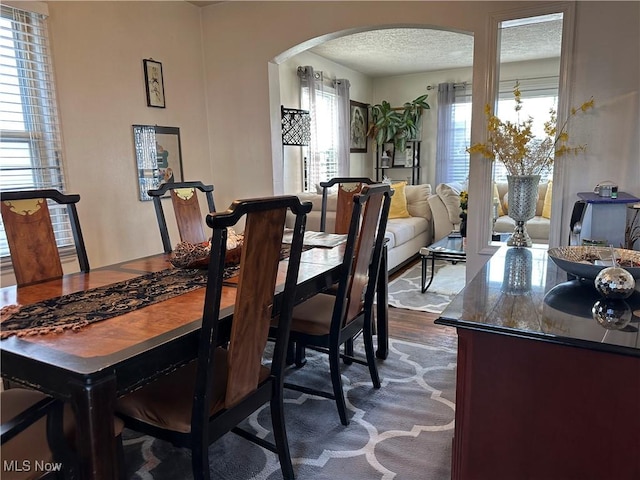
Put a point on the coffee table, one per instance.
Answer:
(447, 248)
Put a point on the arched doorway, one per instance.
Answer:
(416, 57)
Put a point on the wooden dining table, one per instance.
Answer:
(91, 367)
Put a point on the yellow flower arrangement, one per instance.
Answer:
(464, 203)
(514, 144)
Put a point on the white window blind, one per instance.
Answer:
(461, 113)
(30, 147)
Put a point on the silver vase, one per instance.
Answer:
(522, 199)
(518, 269)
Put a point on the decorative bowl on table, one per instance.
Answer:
(587, 262)
(196, 255)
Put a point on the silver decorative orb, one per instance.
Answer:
(612, 314)
(615, 282)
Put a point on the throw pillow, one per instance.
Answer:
(398, 208)
(449, 193)
(496, 198)
(417, 203)
(503, 190)
(542, 191)
(546, 209)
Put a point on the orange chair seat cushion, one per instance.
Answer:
(313, 316)
(167, 402)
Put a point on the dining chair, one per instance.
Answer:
(197, 404)
(24, 433)
(347, 188)
(32, 244)
(186, 208)
(325, 322)
(37, 431)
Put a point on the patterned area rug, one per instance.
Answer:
(404, 291)
(403, 430)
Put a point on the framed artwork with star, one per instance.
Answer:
(154, 83)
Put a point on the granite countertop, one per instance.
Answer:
(521, 292)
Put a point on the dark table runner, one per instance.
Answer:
(79, 309)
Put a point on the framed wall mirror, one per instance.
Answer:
(158, 157)
(529, 59)
(532, 48)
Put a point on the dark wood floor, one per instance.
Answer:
(419, 327)
(415, 326)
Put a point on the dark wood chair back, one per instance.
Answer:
(363, 252)
(351, 306)
(30, 236)
(186, 208)
(246, 386)
(264, 228)
(347, 188)
(213, 395)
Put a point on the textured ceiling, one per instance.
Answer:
(401, 51)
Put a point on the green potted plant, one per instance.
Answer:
(399, 124)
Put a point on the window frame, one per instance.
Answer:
(30, 76)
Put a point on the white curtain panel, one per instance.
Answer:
(444, 145)
(308, 85)
(344, 153)
(328, 104)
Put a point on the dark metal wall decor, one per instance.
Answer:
(296, 127)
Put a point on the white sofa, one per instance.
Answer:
(406, 235)
(445, 208)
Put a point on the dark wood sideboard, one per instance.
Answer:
(543, 391)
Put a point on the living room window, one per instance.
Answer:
(327, 101)
(539, 95)
(324, 138)
(461, 112)
(454, 132)
(30, 146)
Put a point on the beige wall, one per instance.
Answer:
(244, 37)
(216, 63)
(98, 50)
(606, 65)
